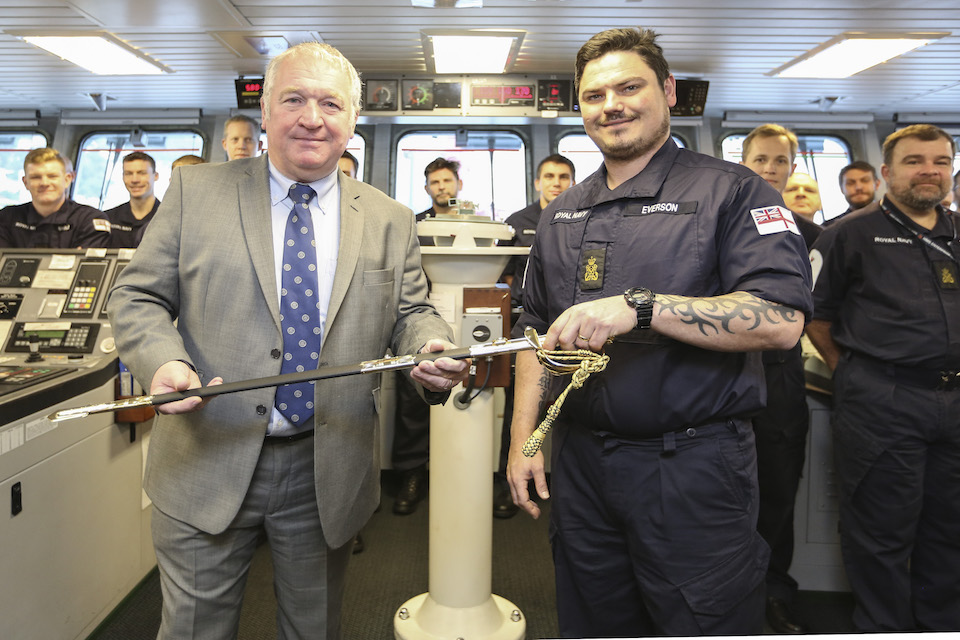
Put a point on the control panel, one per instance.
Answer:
(52, 306)
(86, 288)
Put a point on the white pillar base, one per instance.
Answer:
(422, 618)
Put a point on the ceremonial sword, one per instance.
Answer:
(501, 346)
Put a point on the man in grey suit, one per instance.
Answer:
(204, 298)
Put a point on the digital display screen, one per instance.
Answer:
(553, 95)
(248, 92)
(46, 334)
(513, 95)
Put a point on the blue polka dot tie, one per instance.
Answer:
(299, 317)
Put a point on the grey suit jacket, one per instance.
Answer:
(202, 288)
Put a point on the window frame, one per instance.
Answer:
(163, 165)
(398, 133)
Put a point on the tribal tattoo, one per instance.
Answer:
(716, 314)
(544, 384)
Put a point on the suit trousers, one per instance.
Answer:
(657, 536)
(897, 450)
(203, 575)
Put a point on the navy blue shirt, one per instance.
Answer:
(690, 225)
(125, 229)
(886, 293)
(524, 224)
(72, 225)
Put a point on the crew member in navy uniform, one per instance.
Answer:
(555, 174)
(887, 319)
(51, 220)
(693, 265)
(443, 184)
(411, 435)
(859, 183)
(781, 428)
(129, 220)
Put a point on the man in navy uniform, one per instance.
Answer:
(443, 183)
(411, 436)
(886, 319)
(129, 220)
(241, 137)
(859, 183)
(555, 174)
(692, 265)
(781, 427)
(51, 219)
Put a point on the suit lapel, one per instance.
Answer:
(254, 205)
(351, 236)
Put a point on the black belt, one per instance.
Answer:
(669, 439)
(300, 435)
(924, 377)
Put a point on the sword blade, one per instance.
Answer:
(531, 340)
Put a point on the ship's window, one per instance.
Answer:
(492, 168)
(14, 146)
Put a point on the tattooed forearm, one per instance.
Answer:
(726, 314)
(544, 385)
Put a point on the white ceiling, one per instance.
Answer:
(731, 44)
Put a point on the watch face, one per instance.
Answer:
(641, 296)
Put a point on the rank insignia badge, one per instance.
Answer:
(590, 273)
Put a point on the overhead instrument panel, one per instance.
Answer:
(249, 91)
(381, 95)
(691, 98)
(446, 95)
(553, 95)
(417, 95)
(502, 95)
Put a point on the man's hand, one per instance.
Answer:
(589, 325)
(177, 376)
(441, 374)
(520, 470)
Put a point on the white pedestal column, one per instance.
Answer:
(460, 603)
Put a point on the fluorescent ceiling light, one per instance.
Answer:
(472, 51)
(448, 4)
(101, 54)
(851, 53)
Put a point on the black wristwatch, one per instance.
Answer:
(642, 301)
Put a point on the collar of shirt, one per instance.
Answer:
(60, 216)
(646, 184)
(325, 215)
(943, 228)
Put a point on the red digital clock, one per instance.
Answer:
(502, 95)
(248, 92)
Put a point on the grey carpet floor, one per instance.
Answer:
(393, 568)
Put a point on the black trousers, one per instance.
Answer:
(411, 432)
(897, 450)
(781, 434)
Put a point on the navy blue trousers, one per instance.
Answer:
(897, 450)
(781, 433)
(658, 536)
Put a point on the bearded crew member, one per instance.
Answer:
(887, 313)
(694, 265)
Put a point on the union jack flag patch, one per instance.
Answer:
(774, 220)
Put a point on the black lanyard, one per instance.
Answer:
(922, 237)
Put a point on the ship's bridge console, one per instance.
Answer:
(70, 492)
